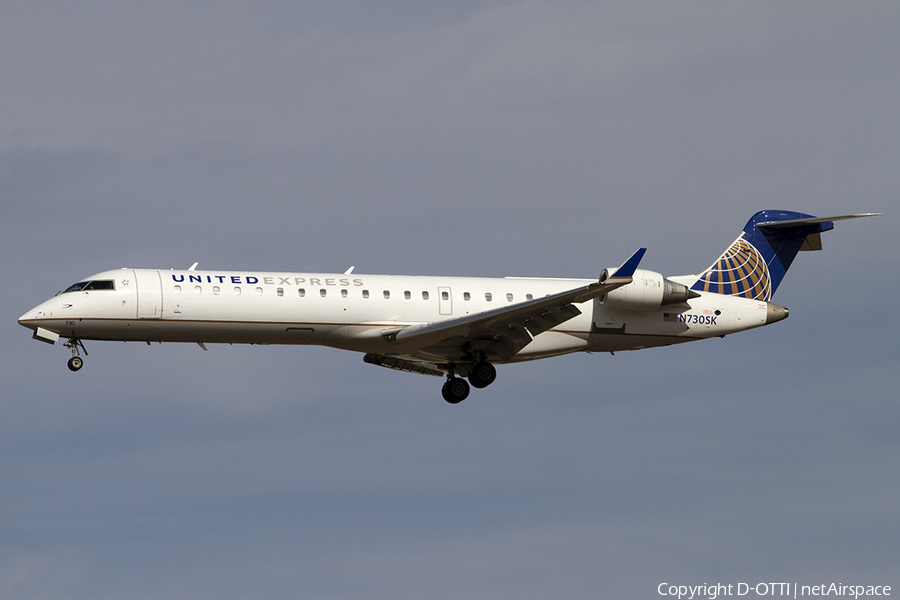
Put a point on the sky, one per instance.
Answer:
(519, 138)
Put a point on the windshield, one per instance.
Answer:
(89, 286)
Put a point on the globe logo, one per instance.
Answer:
(740, 271)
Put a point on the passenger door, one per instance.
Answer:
(149, 284)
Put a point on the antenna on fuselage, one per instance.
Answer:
(193, 266)
(348, 271)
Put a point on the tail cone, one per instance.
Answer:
(775, 313)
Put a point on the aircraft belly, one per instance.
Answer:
(621, 342)
(552, 343)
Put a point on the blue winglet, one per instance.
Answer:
(629, 266)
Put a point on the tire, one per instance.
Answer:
(455, 390)
(482, 375)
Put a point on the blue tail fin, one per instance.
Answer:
(754, 265)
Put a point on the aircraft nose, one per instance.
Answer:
(775, 313)
(41, 311)
(27, 319)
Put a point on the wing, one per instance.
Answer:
(506, 330)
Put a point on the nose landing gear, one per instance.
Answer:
(76, 362)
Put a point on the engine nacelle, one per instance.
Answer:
(647, 291)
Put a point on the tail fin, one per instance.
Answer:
(754, 265)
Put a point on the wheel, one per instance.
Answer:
(482, 375)
(455, 390)
(75, 363)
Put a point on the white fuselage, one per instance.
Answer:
(353, 312)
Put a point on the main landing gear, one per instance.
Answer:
(456, 389)
(482, 375)
(76, 362)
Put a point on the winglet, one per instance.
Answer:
(607, 283)
(628, 267)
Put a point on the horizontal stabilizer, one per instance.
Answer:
(812, 220)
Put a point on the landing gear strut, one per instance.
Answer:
(76, 362)
(455, 390)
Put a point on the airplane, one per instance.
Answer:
(457, 328)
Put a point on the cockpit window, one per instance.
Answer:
(76, 288)
(90, 286)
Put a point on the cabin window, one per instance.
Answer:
(344, 293)
(365, 293)
(302, 292)
(259, 291)
(197, 289)
(216, 290)
(387, 294)
(237, 291)
(280, 292)
(509, 297)
(445, 295)
(177, 289)
(323, 292)
(407, 294)
(529, 297)
(467, 296)
(424, 295)
(488, 297)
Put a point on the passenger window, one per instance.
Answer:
(216, 290)
(344, 293)
(323, 292)
(177, 289)
(445, 296)
(467, 296)
(237, 291)
(280, 292)
(302, 292)
(387, 295)
(365, 293)
(509, 297)
(407, 295)
(529, 297)
(488, 297)
(259, 291)
(424, 295)
(197, 289)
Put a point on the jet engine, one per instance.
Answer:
(647, 291)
